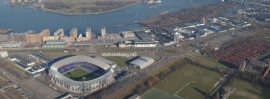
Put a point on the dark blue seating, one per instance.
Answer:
(71, 66)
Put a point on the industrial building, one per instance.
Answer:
(16, 37)
(143, 36)
(124, 44)
(128, 34)
(54, 44)
(73, 33)
(141, 43)
(145, 43)
(142, 62)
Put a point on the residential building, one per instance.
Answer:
(43, 33)
(59, 33)
(88, 33)
(31, 37)
(74, 33)
(103, 32)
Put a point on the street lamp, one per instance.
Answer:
(83, 78)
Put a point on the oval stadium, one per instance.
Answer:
(81, 74)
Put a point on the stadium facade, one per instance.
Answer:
(80, 86)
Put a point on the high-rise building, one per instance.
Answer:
(88, 33)
(74, 33)
(103, 32)
(176, 37)
(59, 33)
(25, 1)
(19, 1)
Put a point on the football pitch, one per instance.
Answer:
(156, 93)
(190, 82)
(78, 73)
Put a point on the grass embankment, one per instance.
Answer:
(190, 82)
(166, 67)
(120, 61)
(199, 55)
(248, 90)
(172, 51)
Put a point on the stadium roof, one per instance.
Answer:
(80, 58)
(105, 60)
(142, 62)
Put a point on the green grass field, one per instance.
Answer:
(120, 61)
(234, 96)
(78, 73)
(200, 81)
(156, 93)
(249, 90)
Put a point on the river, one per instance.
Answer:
(21, 18)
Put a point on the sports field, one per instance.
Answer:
(78, 73)
(156, 93)
(190, 82)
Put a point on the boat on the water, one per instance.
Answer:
(164, 12)
(152, 7)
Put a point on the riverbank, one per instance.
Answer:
(188, 14)
(66, 13)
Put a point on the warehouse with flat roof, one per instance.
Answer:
(142, 62)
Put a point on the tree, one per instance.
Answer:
(149, 84)
(217, 96)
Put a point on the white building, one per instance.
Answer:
(128, 34)
(4, 53)
(142, 62)
(176, 37)
(88, 33)
(145, 44)
(103, 32)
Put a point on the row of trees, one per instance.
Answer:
(188, 14)
(58, 5)
(86, 7)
